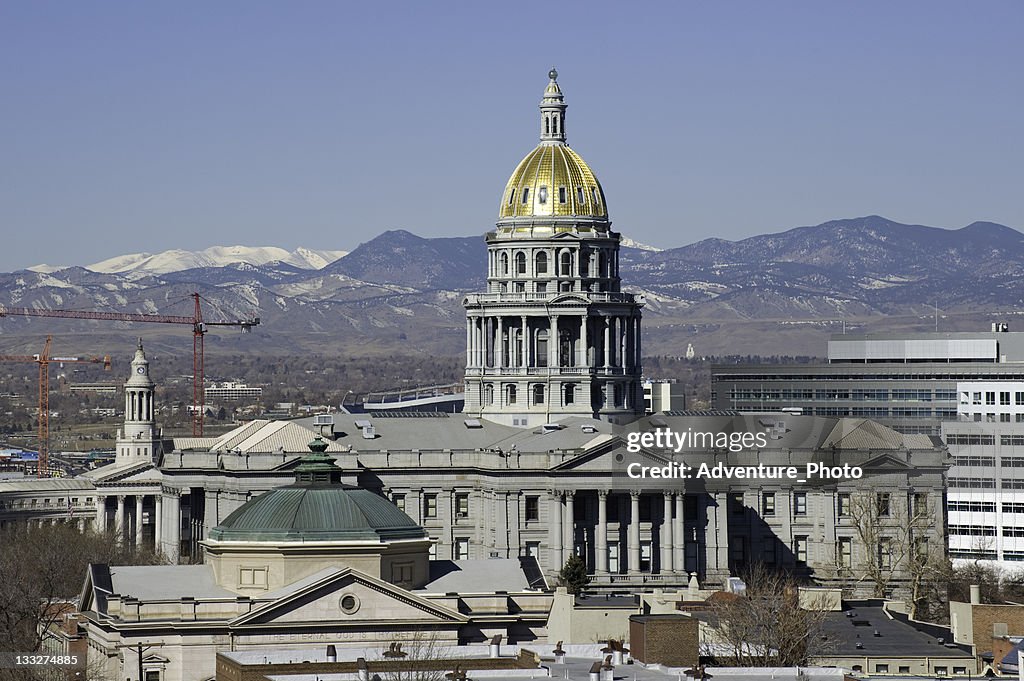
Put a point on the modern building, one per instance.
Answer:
(906, 381)
(664, 396)
(985, 502)
(230, 391)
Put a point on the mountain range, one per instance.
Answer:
(399, 292)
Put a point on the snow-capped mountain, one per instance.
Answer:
(177, 260)
(629, 243)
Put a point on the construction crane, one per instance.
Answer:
(43, 360)
(199, 328)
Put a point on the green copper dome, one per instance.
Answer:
(317, 508)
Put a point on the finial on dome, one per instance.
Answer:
(553, 73)
(140, 342)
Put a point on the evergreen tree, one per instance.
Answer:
(573, 575)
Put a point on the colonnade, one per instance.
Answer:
(513, 341)
(609, 552)
(128, 519)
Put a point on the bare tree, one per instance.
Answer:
(899, 547)
(769, 626)
(41, 569)
(418, 656)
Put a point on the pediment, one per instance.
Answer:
(884, 462)
(604, 458)
(145, 471)
(332, 599)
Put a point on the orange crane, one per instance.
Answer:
(43, 360)
(199, 328)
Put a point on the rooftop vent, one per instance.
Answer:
(550, 427)
(473, 423)
(369, 432)
(362, 423)
(588, 428)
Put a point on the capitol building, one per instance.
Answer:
(529, 475)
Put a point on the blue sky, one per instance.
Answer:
(146, 126)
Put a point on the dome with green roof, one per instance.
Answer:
(317, 508)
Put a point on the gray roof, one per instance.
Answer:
(46, 485)
(166, 582)
(897, 637)
(476, 576)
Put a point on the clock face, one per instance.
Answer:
(141, 370)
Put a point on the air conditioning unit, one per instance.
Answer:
(323, 420)
(369, 433)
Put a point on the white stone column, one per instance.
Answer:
(633, 537)
(553, 343)
(570, 525)
(158, 519)
(637, 342)
(101, 513)
(607, 342)
(499, 355)
(119, 518)
(665, 534)
(581, 350)
(556, 532)
(172, 542)
(601, 540)
(525, 345)
(138, 520)
(679, 538)
(469, 341)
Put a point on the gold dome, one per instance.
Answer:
(553, 181)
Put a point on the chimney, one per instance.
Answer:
(362, 669)
(332, 653)
(975, 594)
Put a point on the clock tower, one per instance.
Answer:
(140, 439)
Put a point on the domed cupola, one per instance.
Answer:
(314, 523)
(553, 181)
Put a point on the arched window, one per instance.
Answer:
(520, 263)
(510, 394)
(541, 263)
(488, 394)
(542, 348)
(602, 264)
(555, 127)
(565, 268)
(538, 394)
(504, 263)
(547, 125)
(511, 195)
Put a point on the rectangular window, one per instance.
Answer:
(542, 287)
(461, 505)
(768, 504)
(844, 552)
(152, 675)
(736, 503)
(532, 509)
(645, 556)
(401, 573)
(462, 549)
(799, 503)
(399, 501)
(561, 194)
(526, 194)
(920, 505)
(881, 669)
(532, 549)
(1018, 398)
(800, 549)
(1004, 398)
(770, 551)
(882, 504)
(429, 505)
(844, 504)
(885, 553)
(904, 669)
